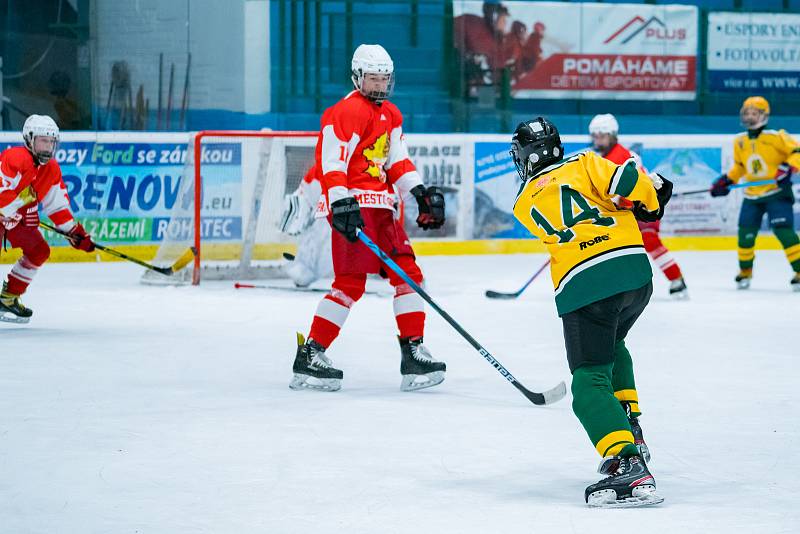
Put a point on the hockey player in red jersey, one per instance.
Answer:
(604, 130)
(363, 165)
(29, 178)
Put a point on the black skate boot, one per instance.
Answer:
(678, 290)
(629, 484)
(638, 436)
(312, 369)
(743, 279)
(419, 369)
(11, 309)
(795, 282)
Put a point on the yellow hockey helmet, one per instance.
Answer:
(755, 112)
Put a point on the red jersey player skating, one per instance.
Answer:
(363, 165)
(604, 130)
(29, 178)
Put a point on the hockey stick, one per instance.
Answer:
(185, 259)
(548, 397)
(239, 285)
(732, 186)
(499, 295)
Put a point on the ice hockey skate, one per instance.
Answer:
(795, 282)
(743, 279)
(312, 369)
(638, 435)
(630, 484)
(419, 368)
(678, 290)
(11, 309)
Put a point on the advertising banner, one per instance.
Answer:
(124, 191)
(753, 52)
(580, 50)
(692, 162)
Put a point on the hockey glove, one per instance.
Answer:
(784, 176)
(346, 218)
(431, 207)
(79, 239)
(721, 187)
(297, 214)
(663, 193)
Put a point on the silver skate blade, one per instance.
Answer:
(796, 287)
(415, 382)
(680, 295)
(641, 496)
(743, 284)
(300, 382)
(8, 317)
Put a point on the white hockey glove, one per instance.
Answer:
(298, 214)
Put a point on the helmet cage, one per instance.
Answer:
(377, 96)
(763, 117)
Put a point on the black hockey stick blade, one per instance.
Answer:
(288, 256)
(508, 296)
(498, 295)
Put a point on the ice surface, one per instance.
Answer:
(126, 408)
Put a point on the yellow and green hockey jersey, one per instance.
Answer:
(757, 159)
(595, 247)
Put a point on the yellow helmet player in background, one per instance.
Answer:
(754, 112)
(767, 158)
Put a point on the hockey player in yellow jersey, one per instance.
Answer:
(603, 281)
(760, 154)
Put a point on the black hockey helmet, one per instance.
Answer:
(534, 145)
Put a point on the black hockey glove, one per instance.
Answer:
(721, 186)
(346, 218)
(431, 207)
(664, 193)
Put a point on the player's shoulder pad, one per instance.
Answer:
(569, 158)
(18, 157)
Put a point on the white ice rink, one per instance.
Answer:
(132, 409)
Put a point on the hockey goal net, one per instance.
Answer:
(229, 205)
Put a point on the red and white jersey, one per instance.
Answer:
(23, 184)
(361, 152)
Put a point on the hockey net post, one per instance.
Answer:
(236, 181)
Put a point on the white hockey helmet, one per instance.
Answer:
(39, 126)
(605, 123)
(372, 59)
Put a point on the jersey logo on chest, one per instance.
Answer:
(376, 156)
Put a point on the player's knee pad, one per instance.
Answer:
(786, 235)
(747, 236)
(587, 380)
(409, 265)
(349, 288)
(39, 253)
